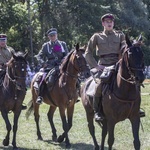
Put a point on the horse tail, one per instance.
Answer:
(30, 109)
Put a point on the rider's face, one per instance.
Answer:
(108, 24)
(3, 43)
(52, 37)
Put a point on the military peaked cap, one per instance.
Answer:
(109, 16)
(3, 37)
(51, 31)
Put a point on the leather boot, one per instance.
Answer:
(142, 113)
(96, 106)
(36, 85)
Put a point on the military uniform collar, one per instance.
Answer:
(108, 32)
(53, 42)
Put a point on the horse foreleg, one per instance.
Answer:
(8, 127)
(104, 133)
(15, 127)
(70, 111)
(65, 128)
(110, 127)
(89, 116)
(50, 115)
(36, 118)
(135, 129)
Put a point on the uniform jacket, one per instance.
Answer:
(52, 53)
(108, 46)
(5, 55)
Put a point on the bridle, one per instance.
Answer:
(80, 66)
(13, 78)
(132, 78)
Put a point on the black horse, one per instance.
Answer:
(123, 100)
(12, 93)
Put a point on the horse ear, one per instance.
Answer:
(77, 46)
(13, 54)
(128, 41)
(25, 54)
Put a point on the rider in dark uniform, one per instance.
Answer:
(5, 56)
(50, 56)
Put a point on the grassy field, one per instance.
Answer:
(79, 134)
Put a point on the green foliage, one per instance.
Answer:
(75, 20)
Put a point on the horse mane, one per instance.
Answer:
(65, 62)
(18, 56)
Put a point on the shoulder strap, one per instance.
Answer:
(61, 46)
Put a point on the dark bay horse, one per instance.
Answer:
(63, 95)
(12, 93)
(123, 100)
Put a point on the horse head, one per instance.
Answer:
(80, 63)
(133, 57)
(16, 70)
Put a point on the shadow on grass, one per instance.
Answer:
(76, 146)
(19, 148)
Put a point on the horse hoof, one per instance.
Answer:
(54, 138)
(97, 148)
(68, 146)
(5, 142)
(15, 148)
(60, 139)
(40, 138)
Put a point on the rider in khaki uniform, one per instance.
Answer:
(5, 56)
(109, 45)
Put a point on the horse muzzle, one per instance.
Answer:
(140, 78)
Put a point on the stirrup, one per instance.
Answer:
(39, 100)
(97, 117)
(142, 113)
(24, 107)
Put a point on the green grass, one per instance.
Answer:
(79, 134)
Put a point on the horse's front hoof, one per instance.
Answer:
(54, 138)
(15, 148)
(97, 148)
(60, 139)
(40, 138)
(68, 145)
(5, 142)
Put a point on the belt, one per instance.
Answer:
(109, 55)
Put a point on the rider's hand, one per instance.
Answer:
(100, 67)
(44, 65)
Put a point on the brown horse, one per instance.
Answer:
(123, 100)
(63, 95)
(12, 93)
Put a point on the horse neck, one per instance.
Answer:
(71, 75)
(123, 87)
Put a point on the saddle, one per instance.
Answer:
(104, 78)
(51, 77)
